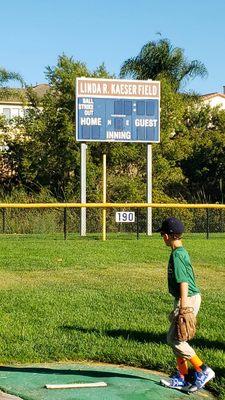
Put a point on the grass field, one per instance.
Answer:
(84, 299)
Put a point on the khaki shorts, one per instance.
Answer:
(182, 349)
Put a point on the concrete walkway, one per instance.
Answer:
(5, 396)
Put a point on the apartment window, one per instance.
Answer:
(7, 113)
(24, 112)
(15, 112)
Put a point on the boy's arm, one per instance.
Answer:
(183, 294)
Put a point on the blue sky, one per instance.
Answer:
(35, 32)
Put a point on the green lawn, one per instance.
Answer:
(84, 299)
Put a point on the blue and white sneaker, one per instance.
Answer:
(201, 378)
(175, 382)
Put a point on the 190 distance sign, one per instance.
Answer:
(125, 216)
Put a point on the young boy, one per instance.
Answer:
(181, 284)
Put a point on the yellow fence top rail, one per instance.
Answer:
(109, 205)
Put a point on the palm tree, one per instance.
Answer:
(5, 78)
(160, 58)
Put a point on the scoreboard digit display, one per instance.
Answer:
(110, 110)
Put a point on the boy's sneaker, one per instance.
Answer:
(175, 382)
(201, 378)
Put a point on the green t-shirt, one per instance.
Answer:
(180, 270)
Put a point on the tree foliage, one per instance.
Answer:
(45, 153)
(5, 78)
(204, 168)
(159, 59)
(188, 161)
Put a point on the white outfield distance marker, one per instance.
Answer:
(125, 216)
(76, 385)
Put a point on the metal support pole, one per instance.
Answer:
(149, 189)
(3, 219)
(137, 223)
(83, 189)
(221, 213)
(207, 223)
(104, 199)
(65, 222)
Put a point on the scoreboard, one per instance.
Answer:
(113, 110)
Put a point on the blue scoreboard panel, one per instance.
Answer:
(114, 119)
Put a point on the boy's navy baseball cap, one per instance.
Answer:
(171, 225)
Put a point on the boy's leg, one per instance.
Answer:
(177, 381)
(196, 362)
(182, 366)
(184, 350)
(203, 373)
(180, 350)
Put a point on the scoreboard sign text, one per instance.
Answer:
(114, 110)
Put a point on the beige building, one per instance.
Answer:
(215, 99)
(15, 107)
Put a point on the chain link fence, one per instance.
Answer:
(67, 220)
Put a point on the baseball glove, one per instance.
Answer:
(185, 324)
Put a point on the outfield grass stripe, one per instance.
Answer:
(89, 300)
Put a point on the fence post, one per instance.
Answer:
(3, 219)
(221, 220)
(65, 222)
(207, 223)
(137, 223)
